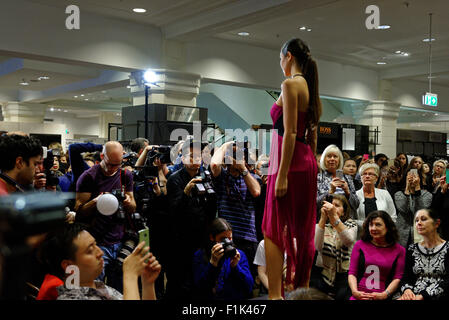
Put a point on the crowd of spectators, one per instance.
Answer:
(380, 230)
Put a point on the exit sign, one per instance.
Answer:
(430, 99)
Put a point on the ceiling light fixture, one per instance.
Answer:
(243, 34)
(139, 10)
(308, 30)
(43, 78)
(381, 62)
(75, 96)
(383, 27)
(52, 109)
(303, 28)
(24, 83)
(398, 52)
(428, 40)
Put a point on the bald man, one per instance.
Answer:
(107, 230)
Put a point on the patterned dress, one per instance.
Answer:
(427, 271)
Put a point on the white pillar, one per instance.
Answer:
(14, 111)
(383, 115)
(172, 87)
(105, 119)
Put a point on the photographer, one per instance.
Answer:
(106, 177)
(75, 246)
(190, 214)
(150, 192)
(20, 157)
(220, 270)
(237, 193)
(77, 162)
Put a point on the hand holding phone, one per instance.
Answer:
(366, 156)
(339, 174)
(447, 175)
(144, 235)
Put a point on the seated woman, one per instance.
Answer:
(219, 272)
(371, 198)
(426, 275)
(329, 183)
(377, 260)
(408, 202)
(335, 235)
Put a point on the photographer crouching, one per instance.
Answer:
(221, 271)
(192, 207)
(108, 230)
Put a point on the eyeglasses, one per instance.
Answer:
(369, 174)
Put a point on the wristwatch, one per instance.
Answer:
(245, 172)
(336, 223)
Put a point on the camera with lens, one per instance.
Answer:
(130, 159)
(51, 176)
(120, 195)
(205, 187)
(229, 250)
(130, 238)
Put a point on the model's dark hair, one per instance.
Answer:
(434, 215)
(58, 246)
(300, 51)
(14, 146)
(392, 235)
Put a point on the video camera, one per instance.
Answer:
(48, 156)
(23, 215)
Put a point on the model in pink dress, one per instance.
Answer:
(290, 207)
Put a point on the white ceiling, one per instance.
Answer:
(338, 34)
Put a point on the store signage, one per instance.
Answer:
(430, 99)
(328, 130)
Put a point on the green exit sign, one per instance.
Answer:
(430, 99)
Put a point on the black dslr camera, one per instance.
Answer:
(149, 170)
(48, 155)
(229, 250)
(120, 195)
(204, 187)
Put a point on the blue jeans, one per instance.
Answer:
(111, 271)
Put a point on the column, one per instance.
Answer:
(14, 111)
(171, 87)
(104, 119)
(383, 115)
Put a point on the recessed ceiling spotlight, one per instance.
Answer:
(65, 111)
(139, 10)
(303, 28)
(398, 52)
(82, 95)
(308, 30)
(405, 54)
(129, 87)
(383, 27)
(52, 109)
(243, 34)
(381, 62)
(75, 96)
(104, 91)
(428, 40)
(43, 78)
(86, 99)
(24, 83)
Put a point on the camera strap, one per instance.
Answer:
(11, 182)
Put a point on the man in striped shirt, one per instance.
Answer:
(237, 190)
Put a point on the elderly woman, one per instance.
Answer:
(412, 199)
(438, 170)
(372, 199)
(426, 274)
(328, 181)
(335, 234)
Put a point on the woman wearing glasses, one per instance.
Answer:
(372, 199)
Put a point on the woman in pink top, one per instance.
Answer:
(290, 207)
(377, 260)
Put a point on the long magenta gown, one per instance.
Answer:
(290, 221)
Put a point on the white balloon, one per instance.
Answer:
(107, 204)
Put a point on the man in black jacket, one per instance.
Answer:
(191, 214)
